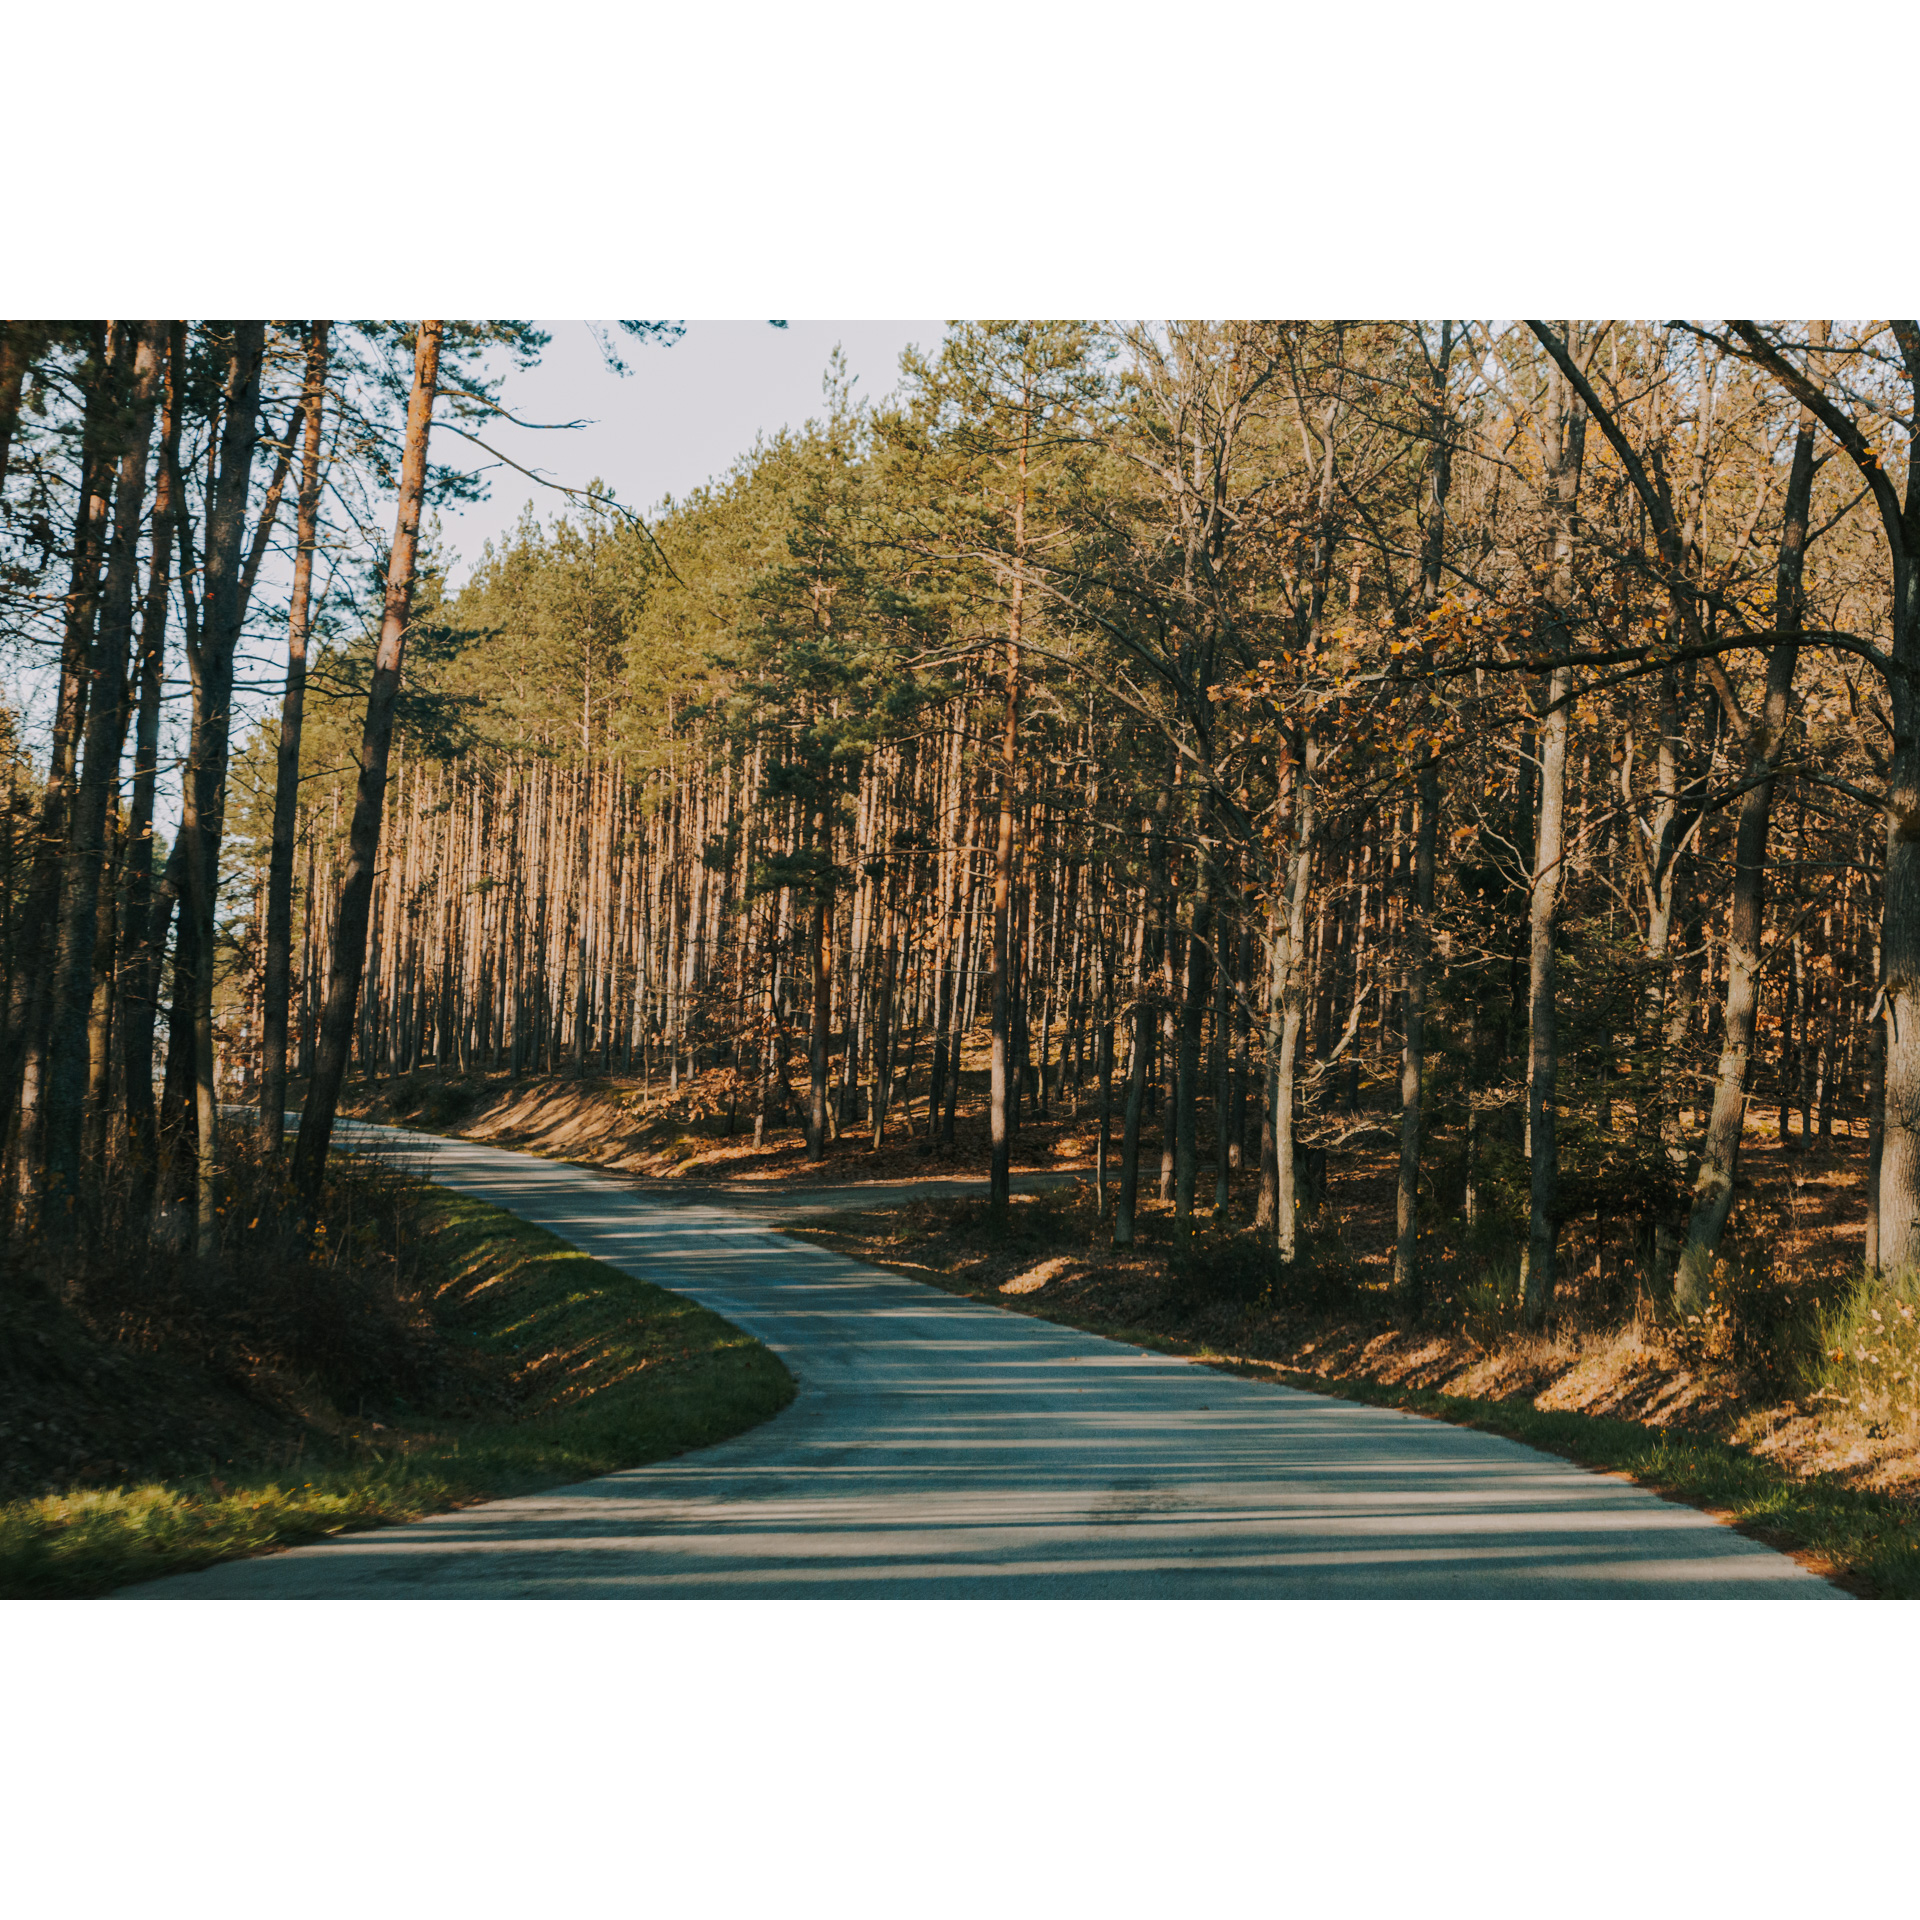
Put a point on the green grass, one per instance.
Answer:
(1869, 1353)
(607, 1372)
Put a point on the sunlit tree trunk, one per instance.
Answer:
(356, 891)
(278, 958)
(1720, 1156)
(1566, 443)
(822, 985)
(1287, 990)
(1417, 934)
(1000, 1179)
(1413, 1043)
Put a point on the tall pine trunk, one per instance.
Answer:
(23, 1060)
(1418, 934)
(276, 988)
(68, 1054)
(210, 664)
(822, 993)
(1000, 1185)
(1287, 969)
(1192, 1016)
(1149, 936)
(1720, 1155)
(376, 740)
(1566, 441)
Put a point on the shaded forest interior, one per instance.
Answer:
(1416, 812)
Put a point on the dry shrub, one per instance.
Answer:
(336, 1305)
(1761, 1317)
(1240, 1266)
(1490, 1302)
(1216, 1265)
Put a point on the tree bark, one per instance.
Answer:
(1566, 437)
(106, 731)
(211, 667)
(21, 342)
(1417, 933)
(817, 1044)
(1000, 1184)
(276, 987)
(1720, 1156)
(1286, 962)
(1192, 1017)
(1413, 1041)
(1150, 938)
(1126, 1196)
(356, 890)
(29, 1000)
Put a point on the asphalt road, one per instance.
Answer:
(941, 1448)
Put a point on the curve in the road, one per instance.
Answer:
(939, 1447)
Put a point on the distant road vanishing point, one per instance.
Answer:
(941, 1448)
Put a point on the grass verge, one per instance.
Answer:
(571, 1369)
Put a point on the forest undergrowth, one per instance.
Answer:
(421, 1351)
(621, 1123)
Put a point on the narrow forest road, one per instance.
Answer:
(941, 1448)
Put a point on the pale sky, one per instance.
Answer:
(682, 416)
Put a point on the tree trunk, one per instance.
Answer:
(1566, 442)
(1286, 962)
(23, 1067)
(276, 985)
(1127, 1196)
(1222, 1073)
(211, 667)
(1192, 1017)
(1150, 939)
(817, 1043)
(1417, 933)
(68, 1054)
(1537, 1265)
(1000, 1185)
(1413, 1041)
(356, 891)
(20, 343)
(1720, 1156)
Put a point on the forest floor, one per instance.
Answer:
(1746, 1382)
(1803, 1201)
(130, 1451)
(620, 1124)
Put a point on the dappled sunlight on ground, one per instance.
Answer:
(939, 1446)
